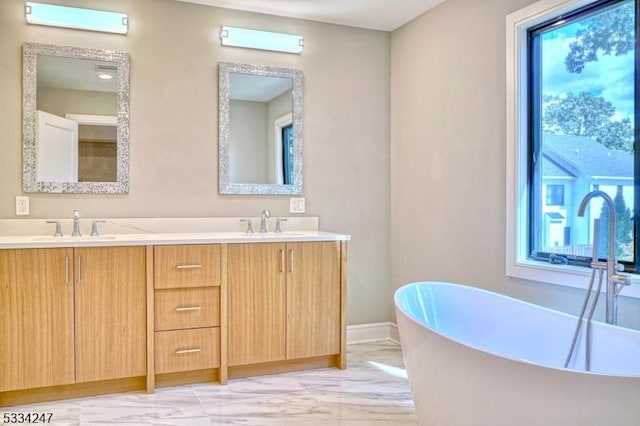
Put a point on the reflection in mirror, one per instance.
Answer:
(260, 130)
(76, 119)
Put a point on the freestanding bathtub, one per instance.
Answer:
(475, 357)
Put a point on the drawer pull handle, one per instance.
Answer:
(188, 308)
(187, 351)
(189, 266)
(66, 269)
(79, 260)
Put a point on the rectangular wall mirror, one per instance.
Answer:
(260, 130)
(75, 120)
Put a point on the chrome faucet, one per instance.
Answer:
(266, 214)
(76, 224)
(614, 280)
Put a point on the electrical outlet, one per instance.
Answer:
(22, 205)
(296, 205)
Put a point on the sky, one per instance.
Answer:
(610, 77)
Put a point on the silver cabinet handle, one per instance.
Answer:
(79, 260)
(291, 256)
(188, 266)
(66, 269)
(188, 351)
(281, 260)
(187, 308)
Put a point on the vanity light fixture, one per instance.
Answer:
(263, 40)
(76, 18)
(106, 72)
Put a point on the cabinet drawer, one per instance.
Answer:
(186, 266)
(187, 308)
(184, 350)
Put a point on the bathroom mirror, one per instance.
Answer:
(260, 119)
(75, 120)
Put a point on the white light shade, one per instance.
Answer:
(76, 18)
(264, 40)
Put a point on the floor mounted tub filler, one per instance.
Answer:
(475, 357)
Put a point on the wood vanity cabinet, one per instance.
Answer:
(90, 320)
(36, 328)
(284, 301)
(313, 299)
(256, 293)
(187, 308)
(71, 315)
(110, 302)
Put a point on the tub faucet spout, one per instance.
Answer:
(614, 280)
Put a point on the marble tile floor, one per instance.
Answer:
(373, 390)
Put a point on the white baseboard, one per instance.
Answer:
(372, 332)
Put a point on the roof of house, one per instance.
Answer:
(566, 155)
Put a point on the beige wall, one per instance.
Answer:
(248, 151)
(439, 207)
(65, 101)
(175, 50)
(448, 154)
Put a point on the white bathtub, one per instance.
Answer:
(479, 358)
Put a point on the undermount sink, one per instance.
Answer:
(271, 234)
(70, 239)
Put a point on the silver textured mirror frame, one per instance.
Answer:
(227, 187)
(30, 51)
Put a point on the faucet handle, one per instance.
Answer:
(249, 225)
(58, 232)
(94, 227)
(278, 220)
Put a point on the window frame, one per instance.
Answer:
(518, 120)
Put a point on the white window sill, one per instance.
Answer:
(564, 275)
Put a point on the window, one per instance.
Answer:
(555, 195)
(571, 119)
(287, 153)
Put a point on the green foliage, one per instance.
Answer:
(609, 33)
(587, 115)
(617, 135)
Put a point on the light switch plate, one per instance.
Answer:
(22, 205)
(296, 205)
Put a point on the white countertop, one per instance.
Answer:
(36, 233)
(30, 241)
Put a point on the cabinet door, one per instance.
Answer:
(256, 300)
(110, 320)
(313, 299)
(36, 327)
